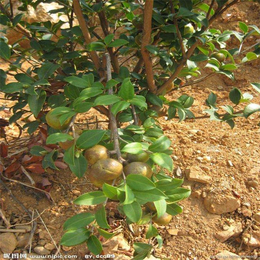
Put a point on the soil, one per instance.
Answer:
(228, 157)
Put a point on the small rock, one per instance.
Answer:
(41, 250)
(66, 248)
(173, 231)
(256, 217)
(196, 174)
(43, 234)
(41, 242)
(8, 242)
(226, 255)
(23, 240)
(196, 194)
(246, 212)
(252, 184)
(49, 246)
(252, 238)
(220, 203)
(232, 231)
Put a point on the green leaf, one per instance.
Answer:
(12, 87)
(139, 182)
(159, 241)
(177, 194)
(133, 148)
(36, 102)
(139, 101)
(49, 159)
(149, 195)
(256, 86)
(93, 91)
(38, 150)
(111, 83)
(243, 27)
(235, 95)
(126, 90)
(186, 4)
(250, 109)
(152, 49)
(5, 52)
(221, 2)
(2, 78)
(90, 138)
(58, 137)
(69, 156)
(101, 218)
(163, 160)
(118, 43)
(75, 237)
(47, 70)
(154, 99)
(94, 245)
(79, 221)
(160, 145)
(96, 46)
(105, 234)
(211, 100)
(174, 209)
(79, 167)
(82, 107)
(151, 232)
(229, 67)
(160, 206)
(106, 100)
(110, 191)
(129, 195)
(133, 211)
(108, 38)
(77, 82)
(170, 28)
(119, 106)
(141, 250)
(91, 198)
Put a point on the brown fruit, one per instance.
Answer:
(141, 168)
(150, 206)
(54, 122)
(141, 157)
(97, 182)
(106, 169)
(219, 56)
(164, 220)
(96, 153)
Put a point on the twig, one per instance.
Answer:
(34, 225)
(28, 175)
(134, 115)
(112, 118)
(53, 241)
(8, 230)
(210, 8)
(147, 29)
(7, 223)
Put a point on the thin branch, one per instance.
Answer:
(85, 31)
(210, 8)
(178, 30)
(6, 221)
(147, 29)
(113, 123)
(134, 115)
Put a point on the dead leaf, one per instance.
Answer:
(13, 167)
(35, 168)
(3, 150)
(61, 165)
(45, 182)
(31, 159)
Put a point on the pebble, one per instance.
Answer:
(226, 255)
(8, 242)
(41, 250)
(256, 217)
(252, 238)
(195, 173)
(41, 242)
(23, 240)
(173, 231)
(252, 184)
(232, 231)
(220, 203)
(246, 212)
(50, 246)
(43, 234)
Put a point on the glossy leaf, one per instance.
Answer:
(129, 195)
(174, 209)
(250, 109)
(160, 206)
(235, 95)
(75, 237)
(90, 138)
(47, 70)
(38, 150)
(91, 198)
(177, 194)
(163, 160)
(256, 86)
(77, 82)
(101, 218)
(110, 191)
(5, 52)
(117, 43)
(139, 183)
(79, 221)
(79, 167)
(149, 195)
(105, 234)
(133, 211)
(126, 90)
(94, 245)
(106, 100)
(160, 145)
(58, 137)
(133, 148)
(151, 232)
(119, 106)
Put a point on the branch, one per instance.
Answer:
(86, 34)
(210, 8)
(147, 29)
(112, 118)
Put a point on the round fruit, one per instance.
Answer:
(164, 220)
(219, 56)
(188, 29)
(150, 206)
(96, 182)
(96, 153)
(54, 122)
(141, 168)
(141, 157)
(106, 169)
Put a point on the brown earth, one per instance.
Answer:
(218, 164)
